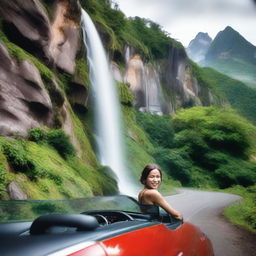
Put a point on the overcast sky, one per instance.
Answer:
(183, 19)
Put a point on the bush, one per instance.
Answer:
(236, 172)
(55, 177)
(177, 163)
(17, 155)
(37, 134)
(194, 141)
(61, 142)
(243, 212)
(158, 128)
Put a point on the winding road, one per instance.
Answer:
(205, 209)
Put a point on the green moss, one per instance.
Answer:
(3, 175)
(82, 72)
(21, 55)
(58, 173)
(58, 178)
(82, 133)
(125, 95)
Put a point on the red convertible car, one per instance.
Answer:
(98, 226)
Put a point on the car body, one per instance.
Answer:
(98, 226)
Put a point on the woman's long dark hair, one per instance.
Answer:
(147, 169)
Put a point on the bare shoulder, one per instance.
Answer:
(153, 193)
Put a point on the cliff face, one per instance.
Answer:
(160, 87)
(25, 101)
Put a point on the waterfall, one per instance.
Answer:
(106, 106)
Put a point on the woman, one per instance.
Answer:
(151, 178)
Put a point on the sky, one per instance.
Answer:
(183, 19)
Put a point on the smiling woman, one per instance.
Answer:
(151, 178)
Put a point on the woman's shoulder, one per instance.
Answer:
(152, 193)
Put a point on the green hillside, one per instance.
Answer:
(231, 54)
(230, 44)
(237, 69)
(240, 97)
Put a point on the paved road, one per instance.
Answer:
(205, 209)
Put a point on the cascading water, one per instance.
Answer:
(106, 105)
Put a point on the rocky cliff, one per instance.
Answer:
(30, 92)
(161, 87)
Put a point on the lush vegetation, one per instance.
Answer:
(56, 138)
(211, 147)
(147, 37)
(240, 97)
(243, 212)
(237, 69)
(39, 170)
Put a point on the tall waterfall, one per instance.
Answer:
(106, 105)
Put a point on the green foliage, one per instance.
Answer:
(37, 134)
(17, 155)
(61, 142)
(217, 143)
(151, 35)
(206, 84)
(239, 96)
(56, 138)
(193, 141)
(236, 172)
(65, 79)
(176, 162)
(243, 212)
(125, 95)
(2, 179)
(109, 181)
(147, 37)
(82, 72)
(21, 55)
(158, 128)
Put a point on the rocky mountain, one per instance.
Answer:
(199, 46)
(231, 54)
(229, 44)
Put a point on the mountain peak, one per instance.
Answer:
(202, 35)
(229, 44)
(228, 28)
(198, 47)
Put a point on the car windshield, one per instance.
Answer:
(27, 210)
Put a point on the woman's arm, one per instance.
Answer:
(158, 199)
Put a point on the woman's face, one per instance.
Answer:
(153, 180)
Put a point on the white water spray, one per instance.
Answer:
(106, 104)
